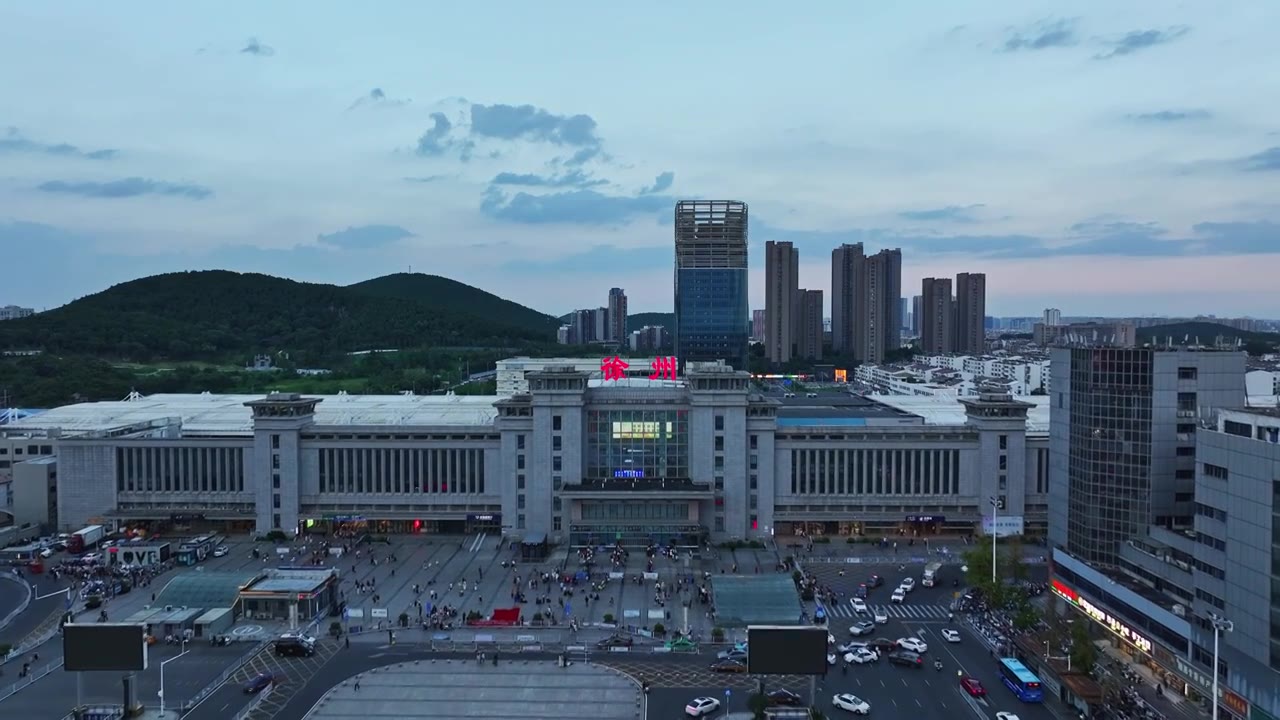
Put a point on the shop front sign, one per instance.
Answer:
(1102, 617)
(1199, 678)
(1235, 704)
(927, 518)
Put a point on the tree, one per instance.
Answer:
(1084, 654)
(978, 561)
(1012, 559)
(1025, 616)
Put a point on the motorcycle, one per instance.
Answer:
(937, 665)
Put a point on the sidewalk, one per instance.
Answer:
(1169, 704)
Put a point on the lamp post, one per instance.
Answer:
(162, 664)
(1220, 625)
(995, 509)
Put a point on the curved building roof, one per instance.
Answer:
(207, 590)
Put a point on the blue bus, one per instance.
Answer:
(1021, 681)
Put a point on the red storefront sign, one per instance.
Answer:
(615, 368)
(1235, 703)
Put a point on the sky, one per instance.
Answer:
(1122, 159)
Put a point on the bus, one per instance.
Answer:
(1021, 681)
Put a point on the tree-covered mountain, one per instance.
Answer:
(219, 314)
(639, 320)
(451, 295)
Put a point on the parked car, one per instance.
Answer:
(700, 706)
(950, 635)
(737, 655)
(973, 686)
(729, 666)
(851, 703)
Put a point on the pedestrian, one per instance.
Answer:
(357, 686)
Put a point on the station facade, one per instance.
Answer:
(581, 459)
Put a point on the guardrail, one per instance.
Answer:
(96, 712)
(26, 602)
(226, 674)
(9, 691)
(257, 700)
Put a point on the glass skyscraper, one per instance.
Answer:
(713, 321)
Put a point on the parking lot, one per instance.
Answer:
(290, 673)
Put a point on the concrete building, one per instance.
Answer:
(649, 338)
(711, 285)
(917, 302)
(781, 301)
(866, 302)
(971, 314)
(809, 331)
(1052, 317)
(617, 316)
(585, 327)
(1173, 581)
(576, 457)
(13, 312)
(1123, 440)
(1114, 334)
(757, 325)
(937, 316)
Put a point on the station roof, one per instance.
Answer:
(946, 410)
(291, 581)
(768, 599)
(199, 589)
(856, 410)
(209, 414)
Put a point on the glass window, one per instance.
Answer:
(520, 462)
(719, 423)
(719, 443)
(520, 502)
(755, 442)
(519, 482)
(555, 442)
(556, 464)
(1004, 442)
(712, 316)
(520, 442)
(555, 423)
(637, 443)
(520, 522)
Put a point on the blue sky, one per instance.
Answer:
(1122, 158)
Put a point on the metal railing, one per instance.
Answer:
(231, 669)
(12, 689)
(25, 601)
(96, 712)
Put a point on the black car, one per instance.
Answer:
(883, 645)
(294, 647)
(783, 697)
(615, 641)
(861, 591)
(875, 581)
(729, 666)
(906, 658)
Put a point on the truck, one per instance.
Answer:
(85, 538)
(930, 577)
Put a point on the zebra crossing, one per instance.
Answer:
(905, 611)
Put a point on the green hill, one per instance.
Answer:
(450, 295)
(1208, 332)
(639, 320)
(220, 314)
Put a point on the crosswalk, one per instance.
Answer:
(905, 611)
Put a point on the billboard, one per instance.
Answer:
(786, 650)
(91, 647)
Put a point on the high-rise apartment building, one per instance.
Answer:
(936, 316)
(1122, 440)
(1052, 317)
(916, 303)
(809, 324)
(971, 314)
(757, 325)
(781, 309)
(866, 302)
(712, 315)
(617, 329)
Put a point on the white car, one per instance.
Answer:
(859, 605)
(854, 646)
(862, 628)
(950, 635)
(831, 658)
(221, 551)
(914, 644)
(881, 617)
(831, 639)
(854, 704)
(698, 707)
(1005, 715)
(861, 657)
(899, 596)
(908, 584)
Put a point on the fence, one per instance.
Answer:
(5, 574)
(33, 675)
(226, 674)
(96, 712)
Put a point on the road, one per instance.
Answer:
(12, 593)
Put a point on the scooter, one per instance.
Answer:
(937, 665)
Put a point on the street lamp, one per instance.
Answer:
(162, 664)
(995, 509)
(1220, 625)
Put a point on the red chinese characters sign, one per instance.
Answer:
(615, 368)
